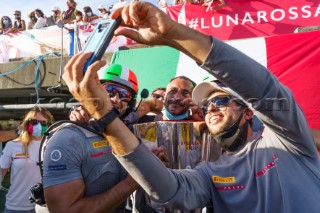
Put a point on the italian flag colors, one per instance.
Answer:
(293, 58)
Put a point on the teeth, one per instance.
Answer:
(214, 118)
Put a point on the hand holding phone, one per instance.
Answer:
(100, 38)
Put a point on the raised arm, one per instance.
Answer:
(156, 28)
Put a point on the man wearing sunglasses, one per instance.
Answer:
(276, 169)
(122, 91)
(80, 172)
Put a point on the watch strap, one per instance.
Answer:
(100, 124)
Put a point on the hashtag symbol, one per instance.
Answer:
(193, 23)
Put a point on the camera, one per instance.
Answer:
(37, 195)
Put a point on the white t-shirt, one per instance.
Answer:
(40, 23)
(24, 173)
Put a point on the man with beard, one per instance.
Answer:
(178, 103)
(276, 169)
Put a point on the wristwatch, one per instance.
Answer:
(100, 124)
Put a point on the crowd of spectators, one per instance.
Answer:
(37, 19)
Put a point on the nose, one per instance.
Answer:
(212, 108)
(178, 95)
(115, 98)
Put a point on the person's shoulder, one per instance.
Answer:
(14, 143)
(71, 133)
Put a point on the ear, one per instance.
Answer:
(248, 114)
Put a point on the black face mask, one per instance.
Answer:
(18, 18)
(234, 138)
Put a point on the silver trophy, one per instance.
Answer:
(186, 144)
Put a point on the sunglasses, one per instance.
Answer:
(157, 96)
(35, 122)
(124, 94)
(16, 14)
(220, 101)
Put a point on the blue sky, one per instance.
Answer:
(7, 7)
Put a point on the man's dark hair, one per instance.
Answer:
(79, 13)
(159, 88)
(184, 78)
(87, 9)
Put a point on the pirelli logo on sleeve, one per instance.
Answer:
(226, 180)
(99, 144)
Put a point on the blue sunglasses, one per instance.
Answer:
(220, 101)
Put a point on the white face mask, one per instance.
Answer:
(78, 18)
(89, 14)
(5, 21)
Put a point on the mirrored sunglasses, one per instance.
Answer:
(221, 101)
(218, 101)
(35, 122)
(124, 94)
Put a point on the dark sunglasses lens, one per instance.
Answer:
(220, 101)
(35, 122)
(113, 90)
(43, 123)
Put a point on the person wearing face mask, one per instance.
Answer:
(70, 14)
(21, 157)
(55, 17)
(5, 25)
(79, 18)
(89, 16)
(275, 169)
(104, 13)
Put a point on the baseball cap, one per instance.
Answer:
(55, 8)
(204, 89)
(101, 6)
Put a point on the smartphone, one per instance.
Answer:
(100, 38)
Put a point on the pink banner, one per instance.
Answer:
(247, 19)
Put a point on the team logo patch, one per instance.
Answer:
(55, 155)
(268, 167)
(223, 180)
(227, 188)
(57, 168)
(99, 144)
(100, 154)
